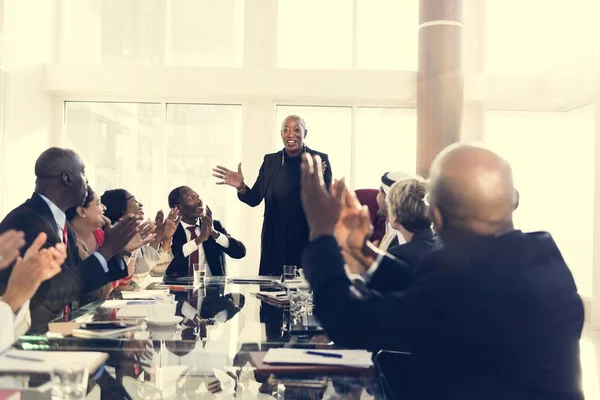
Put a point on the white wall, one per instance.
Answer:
(29, 109)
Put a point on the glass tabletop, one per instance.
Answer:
(207, 354)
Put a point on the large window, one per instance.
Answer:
(343, 34)
(552, 155)
(329, 131)
(121, 145)
(314, 34)
(387, 34)
(176, 32)
(200, 137)
(537, 35)
(126, 145)
(206, 32)
(384, 140)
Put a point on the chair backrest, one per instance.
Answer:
(396, 372)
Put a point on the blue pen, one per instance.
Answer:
(318, 353)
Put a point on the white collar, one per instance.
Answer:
(59, 216)
(186, 225)
(390, 229)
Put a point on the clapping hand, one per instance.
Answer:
(117, 236)
(352, 231)
(10, 244)
(165, 228)
(206, 228)
(36, 266)
(321, 208)
(145, 234)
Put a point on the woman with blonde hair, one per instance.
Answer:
(408, 213)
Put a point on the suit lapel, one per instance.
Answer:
(38, 204)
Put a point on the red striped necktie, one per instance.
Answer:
(194, 257)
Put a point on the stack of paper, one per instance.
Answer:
(127, 303)
(346, 358)
(145, 294)
(44, 361)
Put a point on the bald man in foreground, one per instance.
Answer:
(495, 314)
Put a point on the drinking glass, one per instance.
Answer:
(290, 272)
(199, 273)
(69, 382)
(296, 303)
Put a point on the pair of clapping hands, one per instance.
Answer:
(338, 213)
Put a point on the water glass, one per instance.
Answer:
(296, 304)
(306, 298)
(290, 272)
(69, 382)
(199, 273)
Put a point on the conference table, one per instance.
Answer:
(209, 355)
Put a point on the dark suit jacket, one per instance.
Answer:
(493, 318)
(215, 253)
(397, 273)
(76, 278)
(266, 175)
(273, 254)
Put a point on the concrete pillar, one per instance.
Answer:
(440, 83)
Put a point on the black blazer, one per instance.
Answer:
(215, 253)
(266, 175)
(275, 252)
(397, 273)
(76, 278)
(493, 318)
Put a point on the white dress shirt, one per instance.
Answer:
(191, 245)
(60, 219)
(388, 238)
(13, 325)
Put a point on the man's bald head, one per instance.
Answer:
(472, 190)
(52, 162)
(61, 177)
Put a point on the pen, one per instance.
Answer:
(318, 353)
(22, 358)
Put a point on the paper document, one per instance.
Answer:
(279, 296)
(145, 294)
(127, 303)
(14, 360)
(349, 358)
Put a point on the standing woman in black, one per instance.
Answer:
(285, 230)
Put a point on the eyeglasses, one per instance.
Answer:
(295, 130)
(131, 198)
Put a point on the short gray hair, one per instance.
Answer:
(406, 202)
(295, 117)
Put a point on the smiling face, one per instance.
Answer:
(93, 212)
(293, 133)
(190, 204)
(134, 206)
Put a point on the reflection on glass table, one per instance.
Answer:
(206, 355)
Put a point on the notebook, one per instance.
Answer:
(89, 333)
(292, 361)
(14, 360)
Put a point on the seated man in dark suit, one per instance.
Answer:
(494, 314)
(61, 184)
(198, 238)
